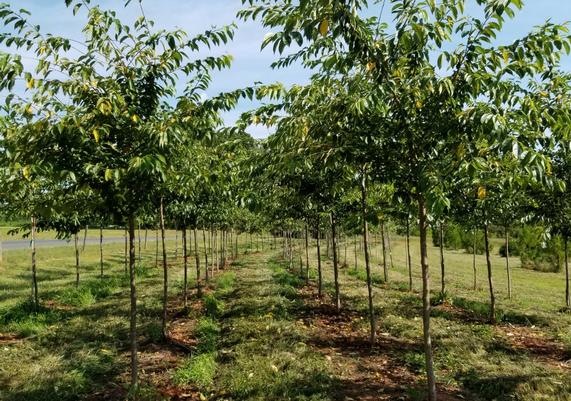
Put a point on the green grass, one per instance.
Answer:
(469, 353)
(199, 370)
(250, 343)
(76, 343)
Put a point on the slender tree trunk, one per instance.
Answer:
(355, 251)
(508, 270)
(345, 245)
(385, 268)
(197, 259)
(319, 272)
(431, 379)
(156, 248)
(475, 284)
(139, 238)
(205, 255)
(126, 250)
(236, 242)
(442, 269)
(490, 281)
(76, 259)
(84, 237)
(133, 310)
(327, 236)
(390, 249)
(175, 242)
(165, 268)
(101, 249)
(35, 296)
(408, 258)
(567, 292)
(306, 254)
(146, 234)
(290, 235)
(185, 263)
(335, 262)
(367, 264)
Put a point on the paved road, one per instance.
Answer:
(43, 243)
(47, 243)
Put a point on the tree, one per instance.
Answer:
(106, 111)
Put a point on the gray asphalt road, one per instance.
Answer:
(43, 243)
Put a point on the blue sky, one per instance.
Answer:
(250, 64)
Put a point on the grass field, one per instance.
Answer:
(266, 336)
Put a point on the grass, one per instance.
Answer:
(76, 343)
(469, 353)
(251, 344)
(199, 369)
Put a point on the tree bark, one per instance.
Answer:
(197, 259)
(490, 281)
(431, 379)
(335, 262)
(101, 249)
(442, 268)
(408, 258)
(133, 311)
(508, 270)
(35, 296)
(385, 268)
(146, 234)
(76, 241)
(165, 268)
(319, 272)
(367, 264)
(185, 263)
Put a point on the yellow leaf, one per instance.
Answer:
(418, 104)
(371, 65)
(29, 110)
(30, 83)
(135, 118)
(256, 120)
(26, 172)
(108, 174)
(481, 193)
(324, 27)
(96, 135)
(506, 56)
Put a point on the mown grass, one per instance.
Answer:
(76, 343)
(469, 353)
(263, 353)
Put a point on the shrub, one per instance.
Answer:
(537, 251)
